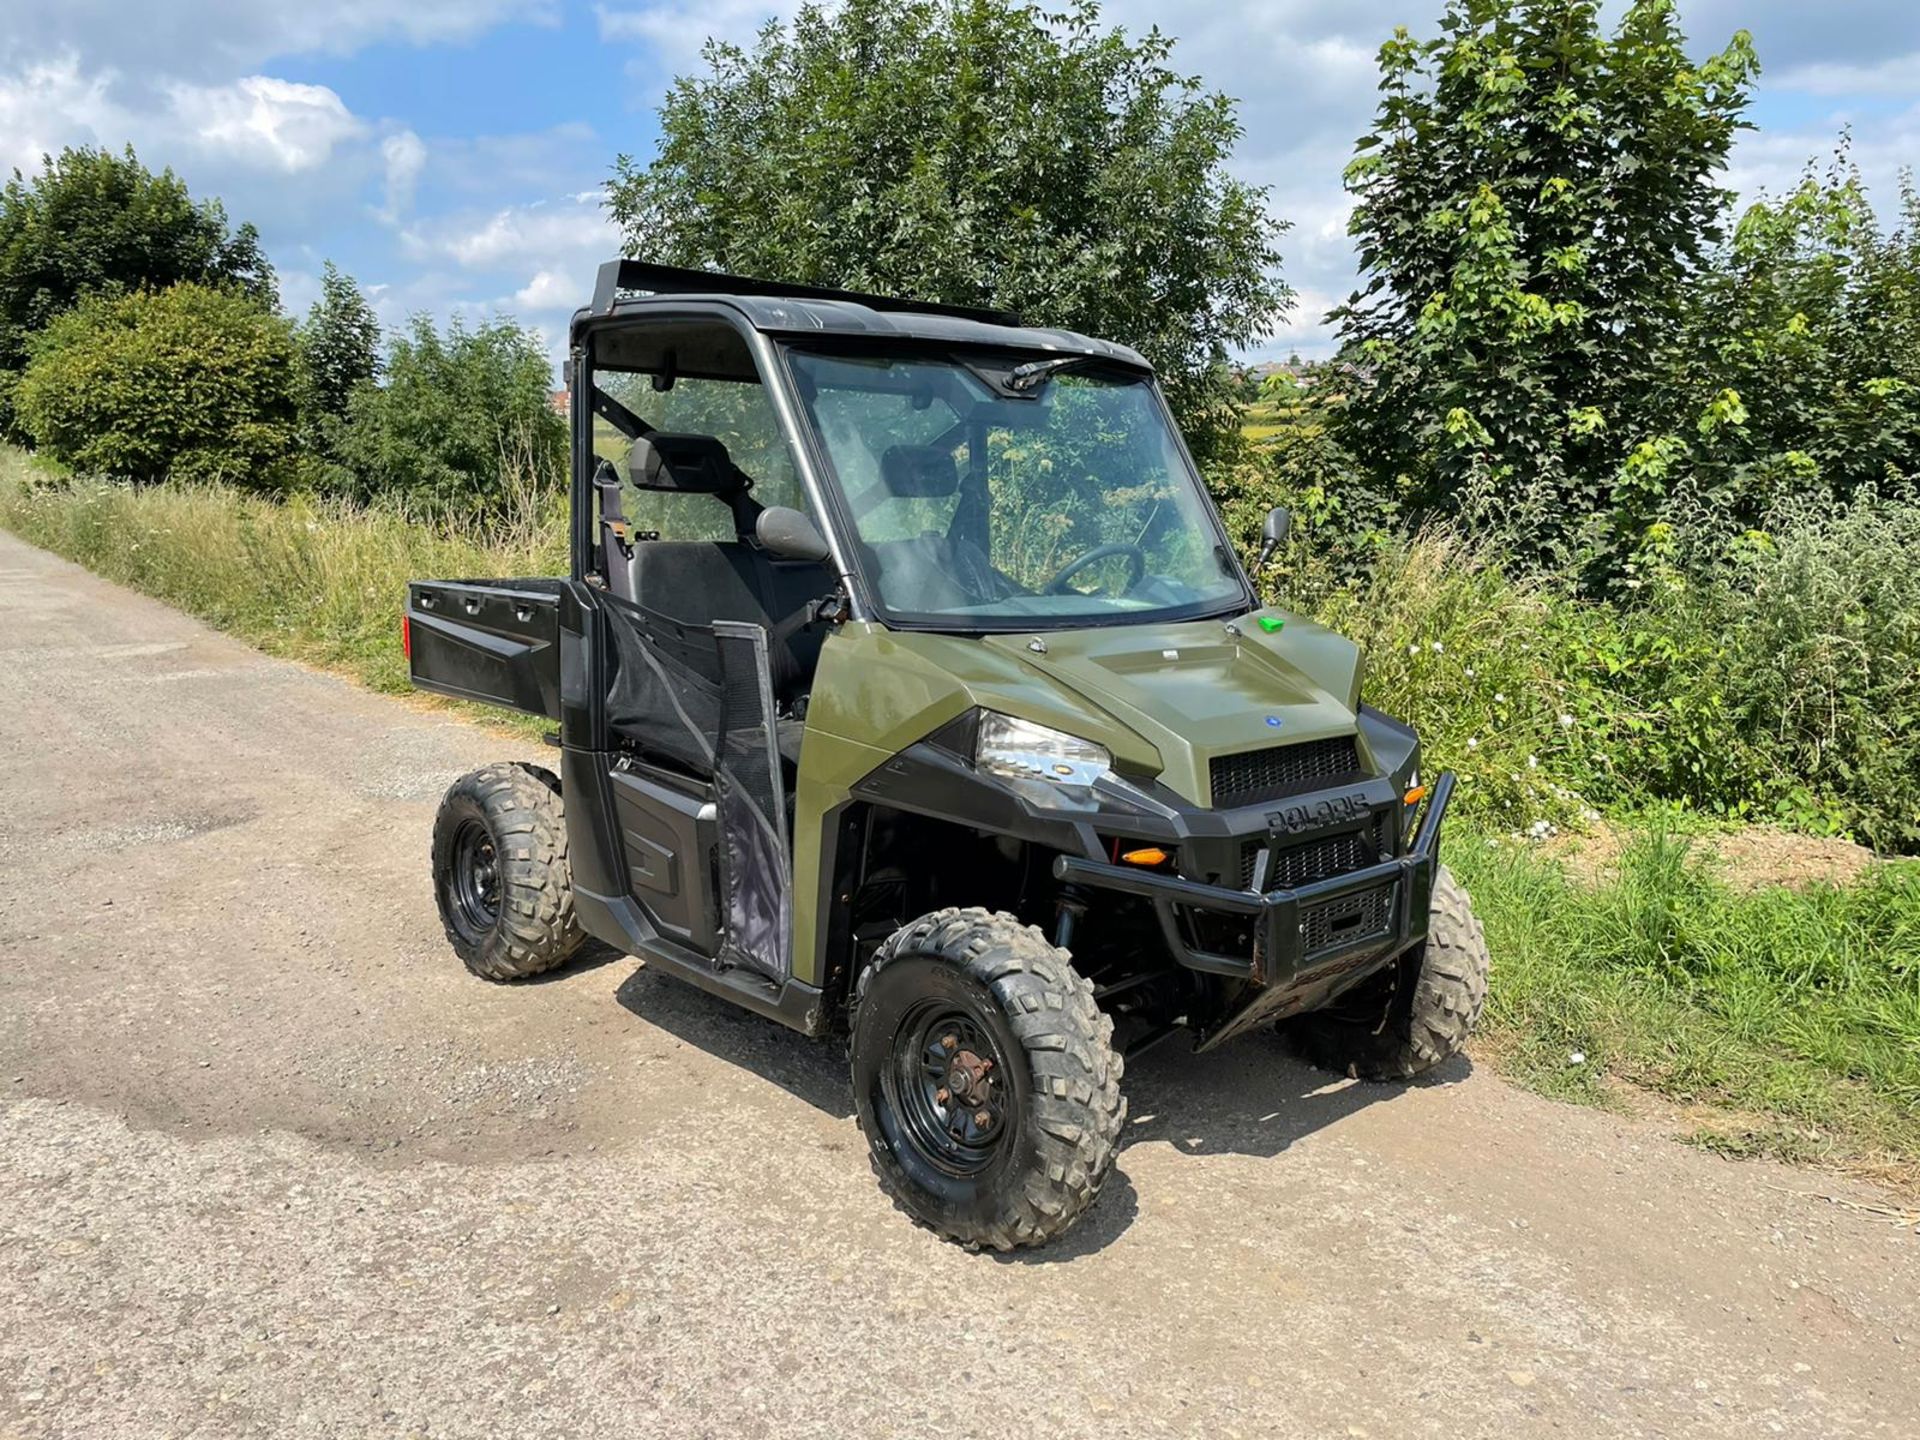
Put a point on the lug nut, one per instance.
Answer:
(949, 1042)
(940, 1096)
(982, 1118)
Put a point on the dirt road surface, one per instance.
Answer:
(273, 1165)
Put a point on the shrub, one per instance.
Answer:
(1479, 663)
(454, 414)
(1804, 649)
(94, 221)
(1781, 681)
(339, 350)
(189, 383)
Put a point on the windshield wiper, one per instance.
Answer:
(1036, 373)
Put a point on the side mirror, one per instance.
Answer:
(789, 534)
(1273, 534)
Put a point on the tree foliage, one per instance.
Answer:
(93, 220)
(1810, 318)
(457, 416)
(188, 383)
(1533, 209)
(339, 346)
(975, 152)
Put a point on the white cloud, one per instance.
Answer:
(1895, 75)
(519, 237)
(405, 156)
(550, 290)
(1772, 162)
(257, 123)
(674, 33)
(263, 122)
(42, 107)
(215, 37)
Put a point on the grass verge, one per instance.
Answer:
(1783, 1021)
(316, 580)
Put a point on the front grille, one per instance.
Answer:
(1313, 860)
(1345, 921)
(1258, 775)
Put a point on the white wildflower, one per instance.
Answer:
(1438, 648)
(1469, 672)
(1533, 762)
(1499, 697)
(1472, 744)
(1413, 649)
(1566, 722)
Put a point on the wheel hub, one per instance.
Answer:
(967, 1079)
(953, 1106)
(475, 878)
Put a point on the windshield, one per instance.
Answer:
(1055, 499)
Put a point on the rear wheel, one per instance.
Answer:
(1419, 1012)
(985, 1079)
(500, 872)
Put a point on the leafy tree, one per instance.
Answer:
(339, 346)
(188, 383)
(1810, 315)
(1534, 204)
(92, 220)
(977, 152)
(459, 421)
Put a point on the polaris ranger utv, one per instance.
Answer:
(908, 689)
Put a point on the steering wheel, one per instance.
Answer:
(1137, 567)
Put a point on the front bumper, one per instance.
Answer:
(1310, 941)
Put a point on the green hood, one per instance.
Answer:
(1163, 698)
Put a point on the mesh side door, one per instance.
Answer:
(700, 697)
(755, 876)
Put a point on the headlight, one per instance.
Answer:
(1048, 767)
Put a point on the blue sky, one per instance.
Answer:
(449, 153)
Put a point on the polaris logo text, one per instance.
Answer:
(1292, 819)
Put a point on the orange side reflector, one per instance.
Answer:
(1417, 794)
(1149, 856)
(406, 636)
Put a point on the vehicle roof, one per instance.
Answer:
(776, 308)
(792, 318)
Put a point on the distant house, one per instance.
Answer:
(562, 402)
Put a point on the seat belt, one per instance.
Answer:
(615, 536)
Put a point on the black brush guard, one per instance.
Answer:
(1288, 970)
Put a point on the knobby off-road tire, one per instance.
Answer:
(960, 987)
(1417, 1014)
(500, 872)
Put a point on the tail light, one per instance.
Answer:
(406, 635)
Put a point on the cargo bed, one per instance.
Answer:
(493, 641)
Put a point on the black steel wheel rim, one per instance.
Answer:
(949, 1087)
(474, 878)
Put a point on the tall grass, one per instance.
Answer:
(1796, 1013)
(318, 580)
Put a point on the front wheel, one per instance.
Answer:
(1419, 1012)
(985, 1079)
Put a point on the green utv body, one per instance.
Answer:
(908, 690)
